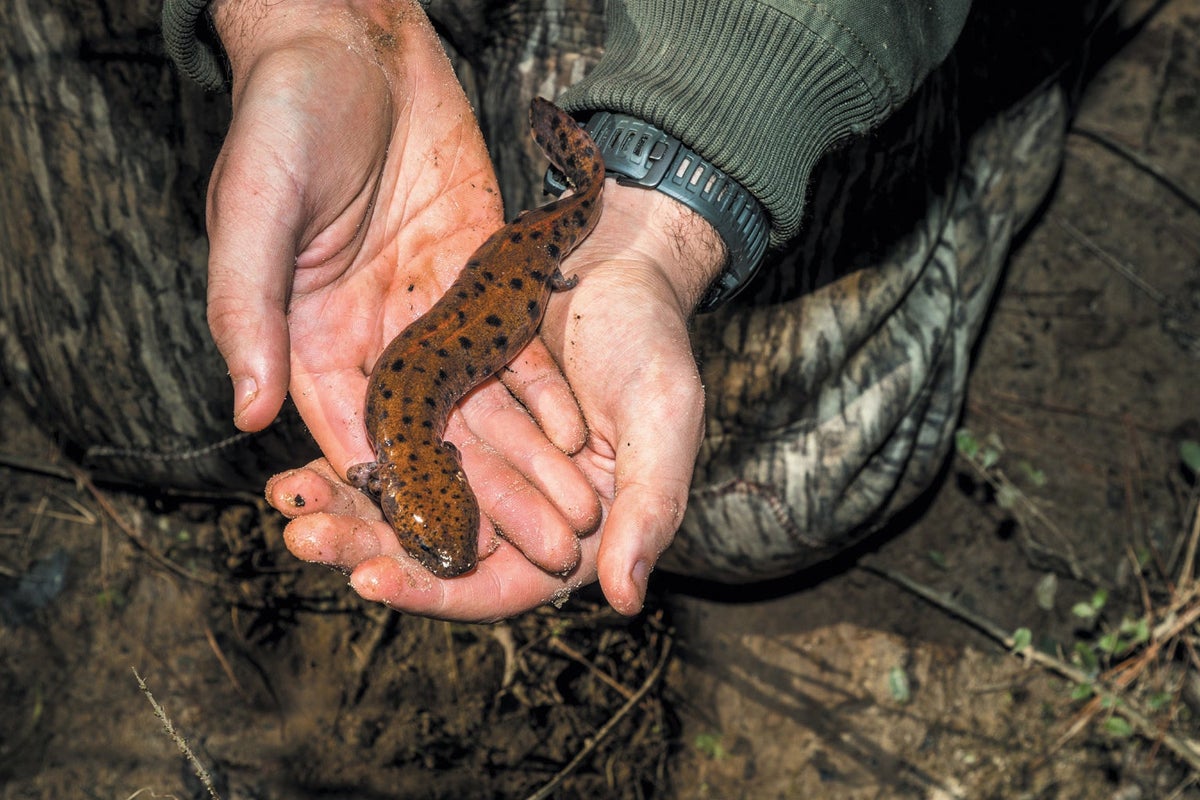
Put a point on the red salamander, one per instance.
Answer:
(487, 315)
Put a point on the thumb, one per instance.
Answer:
(655, 456)
(252, 231)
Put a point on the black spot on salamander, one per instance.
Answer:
(462, 294)
(493, 320)
(479, 287)
(533, 309)
(500, 341)
(465, 342)
(442, 353)
(537, 275)
(517, 284)
(426, 423)
(462, 315)
(579, 219)
(429, 401)
(516, 237)
(386, 393)
(397, 365)
(553, 250)
(407, 419)
(470, 369)
(535, 235)
(488, 276)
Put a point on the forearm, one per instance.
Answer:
(762, 90)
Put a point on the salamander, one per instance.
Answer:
(490, 312)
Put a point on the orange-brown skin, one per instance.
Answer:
(487, 315)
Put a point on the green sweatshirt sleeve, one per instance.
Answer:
(762, 88)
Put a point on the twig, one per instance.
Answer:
(1125, 270)
(180, 742)
(86, 482)
(573, 654)
(223, 661)
(1185, 749)
(591, 744)
(1141, 162)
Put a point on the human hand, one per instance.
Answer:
(353, 185)
(621, 336)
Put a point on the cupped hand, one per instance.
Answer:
(353, 185)
(621, 338)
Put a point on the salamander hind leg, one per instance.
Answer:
(365, 477)
(560, 283)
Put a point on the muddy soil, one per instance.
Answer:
(843, 684)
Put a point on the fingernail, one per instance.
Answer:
(244, 392)
(640, 575)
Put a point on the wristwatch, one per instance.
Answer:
(637, 153)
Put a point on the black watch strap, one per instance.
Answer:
(637, 153)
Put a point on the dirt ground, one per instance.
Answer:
(846, 685)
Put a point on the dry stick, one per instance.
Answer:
(86, 482)
(180, 742)
(1125, 270)
(573, 654)
(224, 662)
(1139, 161)
(1185, 749)
(591, 744)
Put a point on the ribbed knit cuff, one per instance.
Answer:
(196, 58)
(759, 92)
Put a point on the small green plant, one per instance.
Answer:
(709, 744)
(899, 685)
(1189, 454)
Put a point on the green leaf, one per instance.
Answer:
(1022, 638)
(898, 685)
(1046, 591)
(1085, 657)
(1036, 476)
(938, 558)
(1099, 599)
(1084, 611)
(1082, 691)
(1109, 642)
(1007, 496)
(1158, 701)
(1118, 726)
(1189, 451)
(710, 745)
(966, 444)
(1137, 631)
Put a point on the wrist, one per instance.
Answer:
(684, 247)
(371, 29)
(638, 153)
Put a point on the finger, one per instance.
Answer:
(316, 488)
(331, 404)
(535, 379)
(503, 585)
(653, 476)
(252, 247)
(494, 417)
(522, 514)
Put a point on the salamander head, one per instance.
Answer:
(443, 536)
